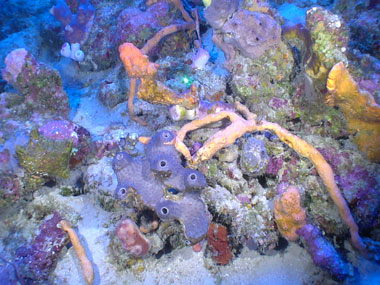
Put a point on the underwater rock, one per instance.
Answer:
(115, 139)
(265, 83)
(218, 244)
(219, 11)
(112, 92)
(100, 48)
(67, 130)
(10, 188)
(9, 274)
(362, 191)
(253, 157)
(40, 85)
(44, 158)
(40, 257)
(253, 220)
(137, 27)
(132, 239)
(231, 32)
(135, 175)
(323, 253)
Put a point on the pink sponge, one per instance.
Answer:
(132, 239)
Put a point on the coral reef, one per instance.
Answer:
(137, 27)
(39, 85)
(239, 126)
(223, 193)
(359, 108)
(68, 131)
(249, 222)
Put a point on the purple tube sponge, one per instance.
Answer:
(323, 253)
(77, 26)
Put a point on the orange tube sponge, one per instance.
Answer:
(135, 62)
(359, 108)
(289, 214)
(88, 270)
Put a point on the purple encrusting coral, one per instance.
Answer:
(323, 252)
(39, 258)
(76, 17)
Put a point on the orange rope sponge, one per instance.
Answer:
(239, 126)
(87, 268)
(289, 214)
(358, 107)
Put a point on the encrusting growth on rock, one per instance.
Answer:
(88, 270)
(239, 126)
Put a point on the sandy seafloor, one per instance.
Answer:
(292, 265)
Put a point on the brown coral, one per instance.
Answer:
(358, 107)
(289, 214)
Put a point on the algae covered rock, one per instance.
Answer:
(39, 85)
(264, 83)
(44, 159)
(330, 37)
